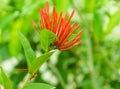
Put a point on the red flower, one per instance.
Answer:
(60, 26)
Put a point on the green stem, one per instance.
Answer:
(90, 62)
(54, 69)
(26, 81)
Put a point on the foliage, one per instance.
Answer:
(38, 86)
(94, 64)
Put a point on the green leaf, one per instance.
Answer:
(7, 20)
(98, 24)
(114, 20)
(39, 61)
(14, 43)
(6, 82)
(4, 52)
(46, 38)
(29, 53)
(38, 86)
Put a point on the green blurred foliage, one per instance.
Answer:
(39, 85)
(5, 80)
(94, 64)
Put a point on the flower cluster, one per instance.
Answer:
(59, 25)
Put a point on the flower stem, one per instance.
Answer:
(26, 81)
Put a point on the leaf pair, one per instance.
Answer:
(33, 62)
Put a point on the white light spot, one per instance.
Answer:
(9, 64)
(49, 77)
(53, 58)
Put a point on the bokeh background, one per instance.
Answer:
(94, 64)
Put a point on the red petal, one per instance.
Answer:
(59, 23)
(71, 46)
(69, 34)
(71, 42)
(64, 34)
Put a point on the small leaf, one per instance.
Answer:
(29, 53)
(39, 61)
(114, 20)
(38, 86)
(6, 82)
(46, 38)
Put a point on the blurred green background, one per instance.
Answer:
(94, 64)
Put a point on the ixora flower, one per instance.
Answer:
(60, 26)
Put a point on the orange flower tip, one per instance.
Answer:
(47, 4)
(71, 15)
(40, 10)
(81, 31)
(80, 41)
(78, 27)
(66, 15)
(54, 10)
(33, 23)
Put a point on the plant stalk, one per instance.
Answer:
(26, 81)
